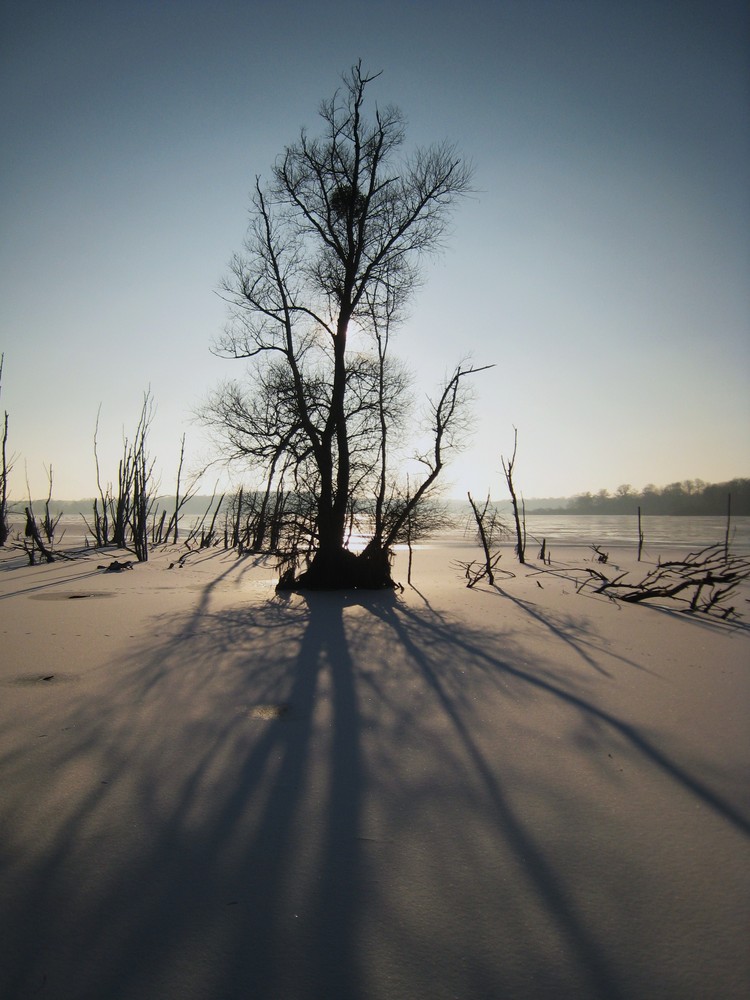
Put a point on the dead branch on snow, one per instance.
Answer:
(706, 580)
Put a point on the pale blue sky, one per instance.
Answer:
(602, 264)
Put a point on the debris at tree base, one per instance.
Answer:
(342, 570)
(706, 580)
(116, 566)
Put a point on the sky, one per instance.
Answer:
(602, 262)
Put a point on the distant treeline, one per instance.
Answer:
(690, 497)
(195, 505)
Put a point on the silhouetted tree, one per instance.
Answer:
(141, 465)
(331, 259)
(5, 467)
(519, 517)
(488, 525)
(32, 540)
(123, 517)
(50, 521)
(180, 499)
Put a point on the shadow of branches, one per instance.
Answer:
(334, 797)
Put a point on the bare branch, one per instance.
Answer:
(705, 579)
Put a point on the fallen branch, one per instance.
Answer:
(476, 571)
(706, 580)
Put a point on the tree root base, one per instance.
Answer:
(342, 570)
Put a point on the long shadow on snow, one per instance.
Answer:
(215, 852)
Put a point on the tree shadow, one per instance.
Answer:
(297, 798)
(33, 587)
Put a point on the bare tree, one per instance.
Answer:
(32, 540)
(180, 498)
(102, 504)
(331, 259)
(206, 537)
(50, 521)
(640, 535)
(489, 526)
(141, 464)
(123, 518)
(5, 467)
(486, 528)
(519, 514)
